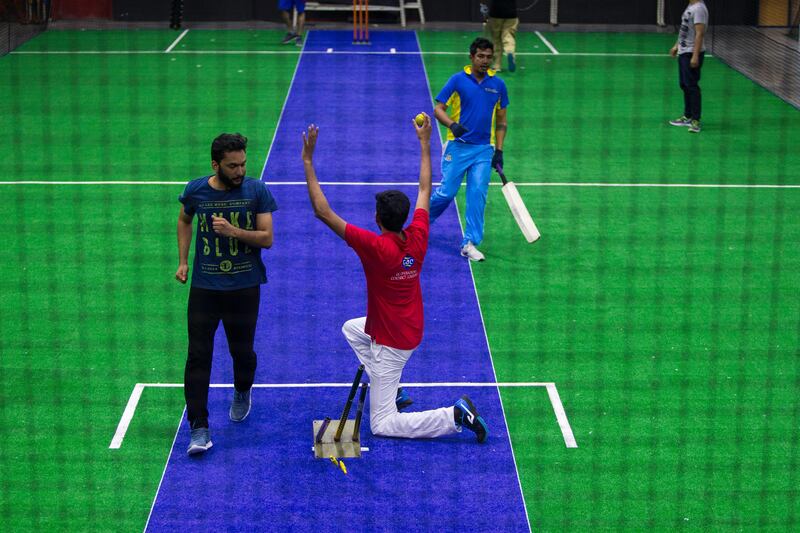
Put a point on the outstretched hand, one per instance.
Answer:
(424, 131)
(309, 142)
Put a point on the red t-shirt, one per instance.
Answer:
(392, 268)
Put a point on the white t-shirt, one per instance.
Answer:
(694, 14)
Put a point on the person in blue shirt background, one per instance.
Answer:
(477, 102)
(234, 222)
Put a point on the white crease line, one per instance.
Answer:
(415, 184)
(283, 107)
(561, 416)
(350, 384)
(668, 185)
(327, 51)
(127, 415)
(547, 43)
(483, 324)
(136, 394)
(176, 41)
(363, 449)
(164, 472)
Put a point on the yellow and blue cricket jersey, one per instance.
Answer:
(472, 104)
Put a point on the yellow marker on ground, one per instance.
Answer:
(340, 464)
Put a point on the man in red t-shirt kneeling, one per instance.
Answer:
(385, 339)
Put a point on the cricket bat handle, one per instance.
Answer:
(502, 175)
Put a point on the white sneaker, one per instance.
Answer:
(469, 250)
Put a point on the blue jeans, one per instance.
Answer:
(474, 160)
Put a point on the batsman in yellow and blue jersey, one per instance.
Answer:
(477, 100)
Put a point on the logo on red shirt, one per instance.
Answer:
(408, 262)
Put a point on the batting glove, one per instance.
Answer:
(458, 130)
(497, 159)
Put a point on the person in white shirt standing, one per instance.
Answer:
(690, 51)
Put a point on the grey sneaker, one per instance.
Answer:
(469, 250)
(694, 127)
(200, 441)
(240, 406)
(681, 121)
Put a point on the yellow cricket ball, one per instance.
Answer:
(420, 119)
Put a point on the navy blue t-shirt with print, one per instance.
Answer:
(225, 263)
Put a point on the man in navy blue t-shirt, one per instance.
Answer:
(234, 222)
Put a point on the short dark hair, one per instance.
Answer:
(480, 43)
(392, 208)
(227, 142)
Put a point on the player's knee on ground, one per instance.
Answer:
(381, 427)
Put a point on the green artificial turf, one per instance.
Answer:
(667, 317)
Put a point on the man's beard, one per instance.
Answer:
(228, 182)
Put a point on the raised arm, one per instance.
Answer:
(322, 210)
(424, 135)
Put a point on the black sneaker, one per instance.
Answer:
(289, 38)
(467, 416)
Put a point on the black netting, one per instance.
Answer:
(769, 56)
(20, 21)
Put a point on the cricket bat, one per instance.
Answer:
(517, 206)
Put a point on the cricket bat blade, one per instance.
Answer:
(521, 214)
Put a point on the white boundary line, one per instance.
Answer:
(552, 391)
(330, 51)
(425, 385)
(127, 415)
(561, 416)
(494, 372)
(483, 325)
(164, 472)
(549, 45)
(283, 107)
(414, 184)
(176, 41)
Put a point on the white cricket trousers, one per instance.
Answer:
(384, 366)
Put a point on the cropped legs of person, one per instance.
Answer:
(690, 85)
(504, 33)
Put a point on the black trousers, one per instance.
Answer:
(238, 311)
(689, 81)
